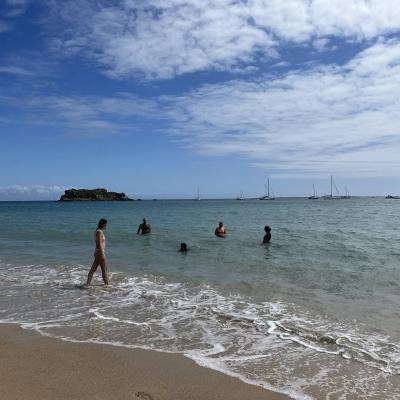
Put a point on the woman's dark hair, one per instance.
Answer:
(183, 246)
(101, 223)
(267, 228)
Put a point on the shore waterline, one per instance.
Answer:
(315, 309)
(130, 373)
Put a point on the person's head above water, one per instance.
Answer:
(220, 230)
(102, 224)
(267, 228)
(183, 248)
(144, 220)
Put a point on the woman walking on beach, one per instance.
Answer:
(99, 253)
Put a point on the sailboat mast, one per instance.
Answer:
(331, 184)
(313, 189)
(268, 187)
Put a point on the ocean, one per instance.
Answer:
(314, 314)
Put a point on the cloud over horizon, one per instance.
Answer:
(30, 192)
(295, 87)
(326, 118)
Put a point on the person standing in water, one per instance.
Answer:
(144, 227)
(267, 237)
(220, 230)
(184, 248)
(99, 253)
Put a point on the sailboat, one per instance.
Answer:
(240, 197)
(331, 196)
(267, 191)
(198, 195)
(347, 195)
(314, 196)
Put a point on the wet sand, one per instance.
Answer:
(40, 368)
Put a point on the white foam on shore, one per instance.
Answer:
(97, 313)
(225, 332)
(38, 328)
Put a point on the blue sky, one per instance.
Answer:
(156, 98)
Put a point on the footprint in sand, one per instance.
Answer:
(143, 396)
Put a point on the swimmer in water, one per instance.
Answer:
(184, 248)
(267, 237)
(220, 230)
(99, 253)
(144, 227)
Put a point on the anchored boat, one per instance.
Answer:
(267, 192)
(331, 196)
(314, 196)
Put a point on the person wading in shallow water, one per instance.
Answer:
(144, 227)
(220, 230)
(267, 237)
(183, 248)
(99, 253)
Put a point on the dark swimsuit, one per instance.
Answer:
(145, 229)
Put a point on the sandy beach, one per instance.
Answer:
(40, 368)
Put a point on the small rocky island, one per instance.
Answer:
(93, 195)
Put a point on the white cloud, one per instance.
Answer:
(15, 8)
(343, 119)
(4, 26)
(83, 115)
(322, 45)
(15, 70)
(29, 65)
(300, 20)
(326, 119)
(162, 39)
(31, 189)
(11, 10)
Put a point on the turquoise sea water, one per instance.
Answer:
(315, 313)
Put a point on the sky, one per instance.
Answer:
(158, 98)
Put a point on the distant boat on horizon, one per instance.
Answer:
(267, 191)
(240, 197)
(347, 195)
(314, 196)
(198, 197)
(331, 196)
(392, 197)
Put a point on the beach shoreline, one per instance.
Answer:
(270, 316)
(38, 367)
